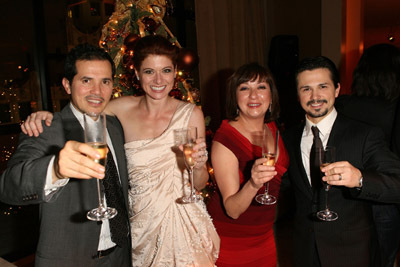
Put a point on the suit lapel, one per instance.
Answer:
(116, 135)
(72, 128)
(337, 132)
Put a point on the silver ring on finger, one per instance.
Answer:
(340, 177)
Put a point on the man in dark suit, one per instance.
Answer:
(55, 170)
(375, 100)
(365, 171)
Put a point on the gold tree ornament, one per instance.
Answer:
(157, 7)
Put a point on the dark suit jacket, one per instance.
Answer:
(375, 111)
(348, 241)
(384, 114)
(67, 238)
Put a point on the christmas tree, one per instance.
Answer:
(131, 20)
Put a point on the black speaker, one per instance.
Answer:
(283, 54)
(282, 61)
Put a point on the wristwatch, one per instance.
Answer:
(360, 183)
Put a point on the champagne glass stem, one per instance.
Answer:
(266, 187)
(101, 201)
(327, 187)
(192, 193)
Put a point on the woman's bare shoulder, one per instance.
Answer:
(197, 114)
(121, 104)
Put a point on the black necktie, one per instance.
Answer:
(315, 159)
(115, 199)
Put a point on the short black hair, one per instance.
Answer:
(84, 52)
(319, 62)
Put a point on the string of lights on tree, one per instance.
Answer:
(131, 20)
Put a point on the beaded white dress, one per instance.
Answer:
(165, 232)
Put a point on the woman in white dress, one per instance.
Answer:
(164, 232)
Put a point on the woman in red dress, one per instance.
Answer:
(244, 226)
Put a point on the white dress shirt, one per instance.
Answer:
(105, 234)
(324, 127)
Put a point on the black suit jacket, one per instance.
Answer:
(67, 237)
(375, 111)
(348, 241)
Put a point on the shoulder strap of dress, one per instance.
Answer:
(182, 114)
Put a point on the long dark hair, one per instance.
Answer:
(378, 72)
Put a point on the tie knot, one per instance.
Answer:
(315, 131)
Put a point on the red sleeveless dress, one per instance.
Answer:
(248, 240)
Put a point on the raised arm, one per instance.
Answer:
(31, 168)
(226, 170)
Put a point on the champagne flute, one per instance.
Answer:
(269, 148)
(326, 156)
(180, 136)
(191, 136)
(96, 137)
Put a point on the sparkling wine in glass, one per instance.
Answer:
(326, 156)
(96, 137)
(269, 151)
(191, 136)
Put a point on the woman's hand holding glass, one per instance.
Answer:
(269, 150)
(195, 156)
(200, 154)
(261, 173)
